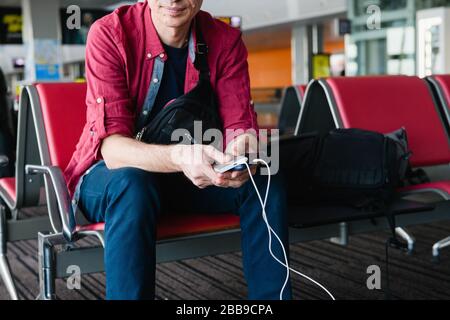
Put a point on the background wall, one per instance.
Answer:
(270, 68)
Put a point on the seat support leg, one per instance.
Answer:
(46, 267)
(343, 238)
(410, 240)
(438, 246)
(5, 269)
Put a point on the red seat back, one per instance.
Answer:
(385, 104)
(302, 89)
(444, 83)
(64, 114)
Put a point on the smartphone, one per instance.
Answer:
(237, 165)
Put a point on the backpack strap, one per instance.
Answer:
(393, 241)
(201, 55)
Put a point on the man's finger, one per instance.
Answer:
(246, 143)
(239, 181)
(226, 175)
(239, 174)
(209, 173)
(217, 156)
(222, 183)
(202, 184)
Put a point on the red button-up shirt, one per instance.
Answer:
(120, 54)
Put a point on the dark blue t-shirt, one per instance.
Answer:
(172, 83)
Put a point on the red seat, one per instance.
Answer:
(9, 186)
(64, 113)
(174, 226)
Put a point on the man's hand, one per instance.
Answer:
(196, 162)
(245, 143)
(241, 145)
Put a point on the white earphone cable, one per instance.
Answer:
(271, 231)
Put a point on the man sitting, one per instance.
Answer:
(139, 58)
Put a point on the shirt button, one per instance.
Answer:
(145, 112)
(149, 55)
(155, 80)
(162, 55)
(74, 202)
(99, 100)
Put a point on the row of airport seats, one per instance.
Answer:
(385, 104)
(52, 117)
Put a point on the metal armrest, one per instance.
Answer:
(62, 197)
(4, 161)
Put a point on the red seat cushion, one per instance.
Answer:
(64, 111)
(9, 185)
(443, 186)
(175, 226)
(387, 103)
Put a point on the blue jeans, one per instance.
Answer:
(129, 201)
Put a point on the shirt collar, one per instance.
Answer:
(153, 45)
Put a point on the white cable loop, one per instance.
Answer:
(271, 231)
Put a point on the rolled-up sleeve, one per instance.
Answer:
(233, 91)
(109, 106)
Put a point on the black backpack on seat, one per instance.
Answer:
(355, 167)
